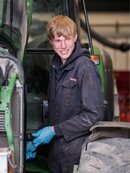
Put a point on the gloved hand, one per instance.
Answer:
(30, 148)
(43, 136)
(30, 155)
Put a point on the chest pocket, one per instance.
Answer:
(70, 92)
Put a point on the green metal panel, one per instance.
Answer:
(29, 11)
(3, 11)
(100, 67)
(5, 105)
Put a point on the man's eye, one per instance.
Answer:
(68, 39)
(57, 41)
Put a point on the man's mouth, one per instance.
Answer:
(64, 52)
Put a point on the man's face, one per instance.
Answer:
(64, 46)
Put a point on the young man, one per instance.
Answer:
(75, 97)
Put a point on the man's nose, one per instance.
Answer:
(63, 44)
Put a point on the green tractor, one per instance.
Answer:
(15, 19)
(25, 57)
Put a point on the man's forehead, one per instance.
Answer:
(65, 35)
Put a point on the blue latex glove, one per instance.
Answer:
(30, 155)
(30, 148)
(43, 136)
